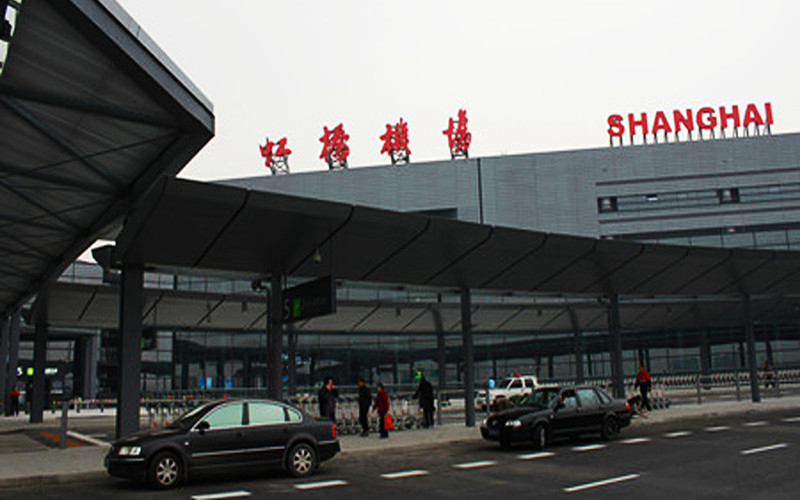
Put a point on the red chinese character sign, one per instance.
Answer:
(395, 142)
(458, 138)
(277, 161)
(334, 147)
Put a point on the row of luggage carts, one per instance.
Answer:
(406, 413)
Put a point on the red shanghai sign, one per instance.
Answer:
(706, 118)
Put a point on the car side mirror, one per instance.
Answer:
(203, 426)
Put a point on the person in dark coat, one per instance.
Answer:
(327, 399)
(425, 395)
(643, 383)
(381, 404)
(364, 402)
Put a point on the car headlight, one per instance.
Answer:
(485, 421)
(130, 451)
(514, 423)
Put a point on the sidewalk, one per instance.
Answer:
(26, 461)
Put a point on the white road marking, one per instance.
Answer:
(227, 494)
(589, 447)
(534, 456)
(604, 482)
(320, 484)
(758, 423)
(636, 441)
(476, 465)
(772, 447)
(86, 438)
(718, 428)
(403, 474)
(792, 420)
(678, 434)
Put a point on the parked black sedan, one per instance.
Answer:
(222, 434)
(550, 412)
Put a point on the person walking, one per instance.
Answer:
(364, 402)
(425, 395)
(643, 383)
(769, 375)
(14, 401)
(327, 399)
(381, 404)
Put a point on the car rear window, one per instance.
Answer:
(588, 397)
(266, 413)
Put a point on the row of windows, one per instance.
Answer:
(773, 239)
(770, 193)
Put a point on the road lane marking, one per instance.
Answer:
(604, 482)
(476, 465)
(772, 447)
(405, 473)
(678, 434)
(758, 423)
(589, 447)
(636, 440)
(320, 484)
(792, 420)
(718, 428)
(227, 494)
(534, 456)
(88, 439)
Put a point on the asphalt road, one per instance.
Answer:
(727, 457)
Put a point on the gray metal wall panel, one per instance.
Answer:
(557, 192)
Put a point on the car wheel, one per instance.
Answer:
(164, 471)
(610, 429)
(539, 437)
(302, 460)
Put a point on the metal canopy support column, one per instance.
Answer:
(615, 344)
(5, 392)
(13, 353)
(469, 361)
(705, 353)
(275, 338)
(750, 338)
(130, 350)
(441, 357)
(292, 355)
(577, 345)
(39, 365)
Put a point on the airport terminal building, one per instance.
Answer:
(732, 193)
(574, 265)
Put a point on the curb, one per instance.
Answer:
(52, 479)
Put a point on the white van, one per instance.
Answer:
(497, 398)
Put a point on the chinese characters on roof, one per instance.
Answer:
(334, 147)
(277, 161)
(395, 141)
(458, 138)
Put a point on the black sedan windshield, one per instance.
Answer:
(189, 418)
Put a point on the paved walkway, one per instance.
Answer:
(25, 460)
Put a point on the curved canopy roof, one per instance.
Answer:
(91, 113)
(190, 225)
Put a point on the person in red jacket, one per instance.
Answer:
(382, 405)
(643, 383)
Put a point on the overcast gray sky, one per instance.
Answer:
(533, 76)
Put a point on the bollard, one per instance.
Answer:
(738, 388)
(62, 442)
